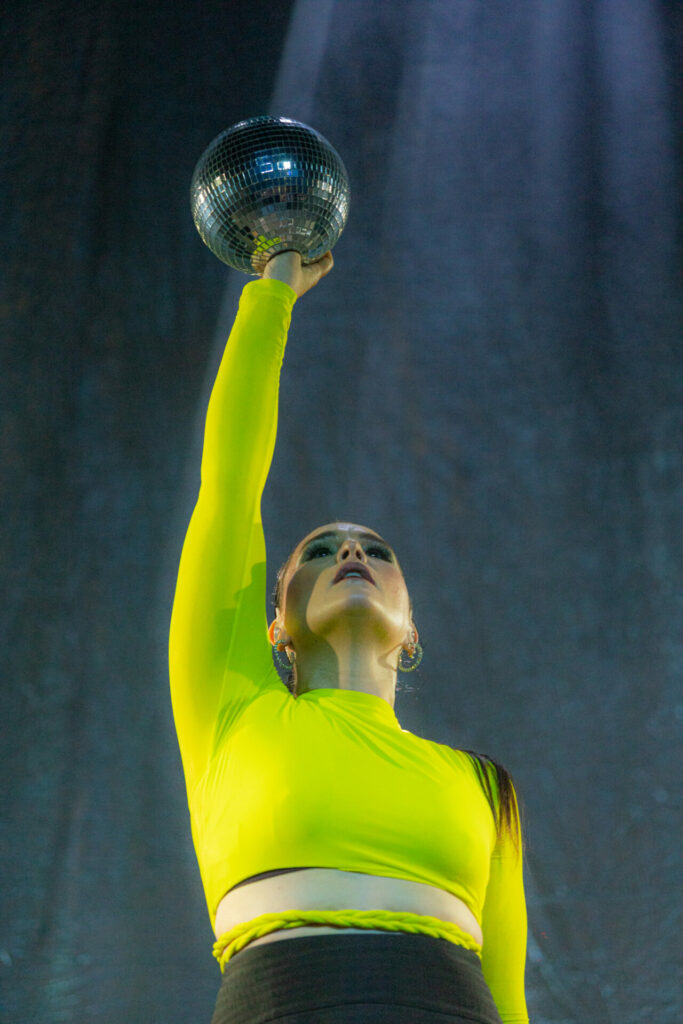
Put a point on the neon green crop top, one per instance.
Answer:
(329, 779)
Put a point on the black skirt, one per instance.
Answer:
(397, 978)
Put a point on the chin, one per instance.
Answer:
(357, 607)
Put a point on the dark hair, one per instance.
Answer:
(276, 599)
(505, 809)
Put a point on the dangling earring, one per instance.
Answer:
(276, 654)
(416, 657)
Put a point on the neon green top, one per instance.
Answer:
(328, 779)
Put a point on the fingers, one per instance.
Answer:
(324, 264)
(287, 266)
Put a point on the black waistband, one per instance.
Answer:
(395, 977)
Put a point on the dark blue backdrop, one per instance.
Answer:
(505, 302)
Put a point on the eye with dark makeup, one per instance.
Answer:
(321, 548)
(380, 552)
(315, 551)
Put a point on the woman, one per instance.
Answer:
(352, 870)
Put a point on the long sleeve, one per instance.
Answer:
(504, 926)
(219, 654)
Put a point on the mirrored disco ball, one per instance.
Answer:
(266, 185)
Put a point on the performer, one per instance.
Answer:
(353, 871)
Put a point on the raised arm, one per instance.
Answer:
(219, 653)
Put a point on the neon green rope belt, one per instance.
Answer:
(242, 934)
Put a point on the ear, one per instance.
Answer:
(413, 636)
(277, 624)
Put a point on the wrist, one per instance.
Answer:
(278, 288)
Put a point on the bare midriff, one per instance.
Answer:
(331, 889)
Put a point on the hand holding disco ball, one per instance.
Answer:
(270, 185)
(287, 267)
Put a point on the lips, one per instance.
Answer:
(354, 567)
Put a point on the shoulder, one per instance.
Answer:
(499, 787)
(489, 770)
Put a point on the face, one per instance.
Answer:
(314, 604)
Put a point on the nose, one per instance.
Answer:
(351, 550)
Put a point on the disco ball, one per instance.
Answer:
(267, 185)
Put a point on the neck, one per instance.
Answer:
(338, 664)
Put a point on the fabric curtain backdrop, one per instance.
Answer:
(491, 377)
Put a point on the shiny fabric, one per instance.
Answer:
(355, 979)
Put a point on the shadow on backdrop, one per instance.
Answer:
(504, 301)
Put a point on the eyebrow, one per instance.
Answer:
(334, 533)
